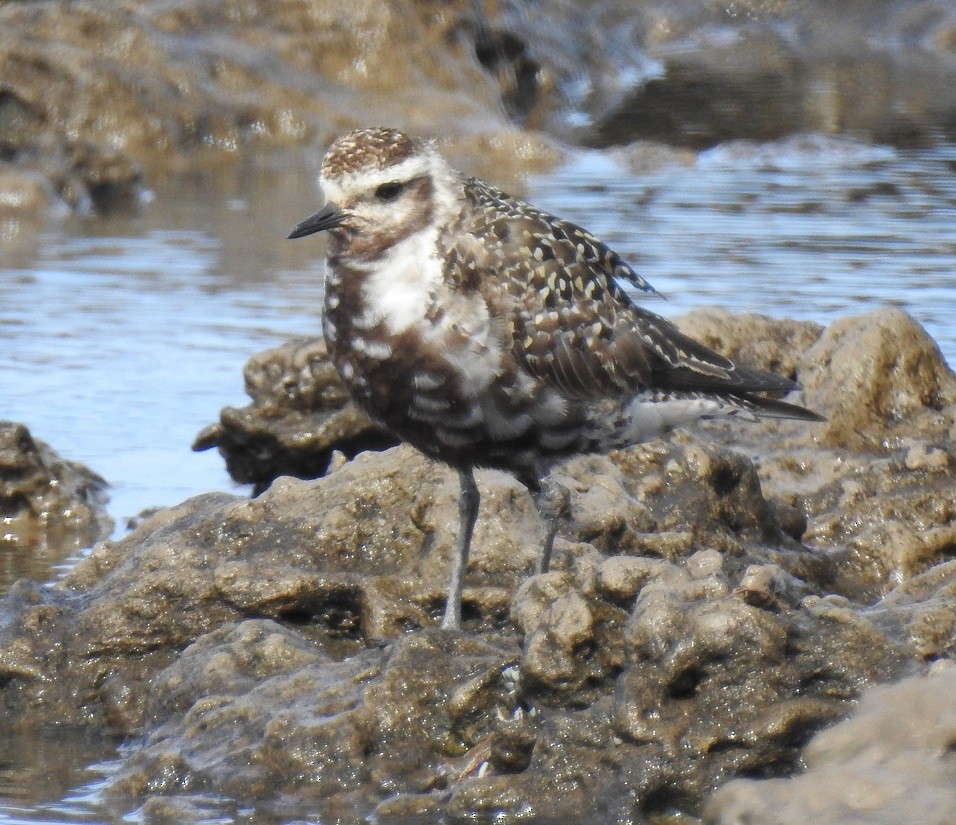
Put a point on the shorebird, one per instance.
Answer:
(488, 333)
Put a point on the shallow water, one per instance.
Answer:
(121, 337)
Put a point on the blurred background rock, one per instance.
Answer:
(101, 96)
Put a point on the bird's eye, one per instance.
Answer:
(389, 191)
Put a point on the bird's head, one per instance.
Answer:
(380, 186)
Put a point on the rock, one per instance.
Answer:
(384, 721)
(50, 507)
(772, 344)
(874, 372)
(890, 762)
(883, 522)
(644, 157)
(300, 415)
(23, 192)
(706, 614)
(764, 71)
(201, 80)
(622, 577)
(506, 156)
(192, 83)
(558, 625)
(919, 612)
(362, 554)
(871, 487)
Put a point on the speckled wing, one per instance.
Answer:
(572, 325)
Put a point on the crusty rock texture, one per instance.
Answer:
(49, 507)
(890, 762)
(299, 417)
(716, 598)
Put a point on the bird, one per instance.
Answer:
(488, 333)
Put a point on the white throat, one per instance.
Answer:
(399, 288)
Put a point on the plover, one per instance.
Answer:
(488, 333)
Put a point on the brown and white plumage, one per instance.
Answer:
(488, 333)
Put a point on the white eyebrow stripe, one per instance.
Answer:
(343, 185)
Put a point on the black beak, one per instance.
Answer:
(327, 217)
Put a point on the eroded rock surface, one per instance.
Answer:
(706, 614)
(299, 416)
(49, 507)
(890, 762)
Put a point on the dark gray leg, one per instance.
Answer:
(554, 503)
(468, 501)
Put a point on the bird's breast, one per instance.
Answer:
(444, 379)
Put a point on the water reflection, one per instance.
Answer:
(50, 778)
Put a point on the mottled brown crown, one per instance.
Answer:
(371, 149)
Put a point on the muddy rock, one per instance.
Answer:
(764, 70)
(888, 505)
(218, 627)
(872, 373)
(772, 344)
(884, 522)
(715, 599)
(890, 762)
(299, 416)
(50, 507)
(362, 553)
(24, 192)
(395, 719)
(193, 83)
(871, 488)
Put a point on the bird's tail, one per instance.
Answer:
(651, 414)
(762, 407)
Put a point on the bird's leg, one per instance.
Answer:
(468, 500)
(554, 503)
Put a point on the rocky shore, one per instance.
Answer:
(743, 624)
(716, 599)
